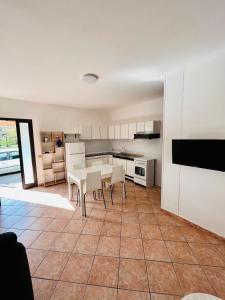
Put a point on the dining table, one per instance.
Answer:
(78, 177)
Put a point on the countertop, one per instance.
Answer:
(118, 155)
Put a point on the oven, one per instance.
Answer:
(140, 169)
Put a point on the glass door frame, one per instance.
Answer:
(32, 149)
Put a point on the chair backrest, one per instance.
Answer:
(96, 163)
(118, 174)
(93, 182)
(79, 166)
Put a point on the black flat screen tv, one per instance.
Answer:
(206, 154)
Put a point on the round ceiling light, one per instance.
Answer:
(90, 78)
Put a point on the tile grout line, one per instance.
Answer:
(145, 261)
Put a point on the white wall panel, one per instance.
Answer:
(172, 128)
(201, 114)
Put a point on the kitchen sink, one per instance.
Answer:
(129, 154)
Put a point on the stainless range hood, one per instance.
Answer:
(146, 135)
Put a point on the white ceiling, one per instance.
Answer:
(47, 45)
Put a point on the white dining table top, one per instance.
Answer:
(200, 296)
(81, 174)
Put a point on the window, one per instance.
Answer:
(3, 156)
(14, 155)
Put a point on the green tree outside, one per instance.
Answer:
(8, 137)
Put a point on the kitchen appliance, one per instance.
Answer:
(144, 171)
(75, 156)
(206, 154)
(146, 135)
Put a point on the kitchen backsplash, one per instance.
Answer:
(97, 146)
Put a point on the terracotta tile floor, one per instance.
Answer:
(133, 250)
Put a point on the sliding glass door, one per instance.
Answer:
(27, 153)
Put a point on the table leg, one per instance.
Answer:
(69, 190)
(82, 199)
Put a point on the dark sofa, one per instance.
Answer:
(15, 278)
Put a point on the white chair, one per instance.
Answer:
(79, 166)
(118, 176)
(93, 183)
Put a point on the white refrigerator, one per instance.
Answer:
(75, 156)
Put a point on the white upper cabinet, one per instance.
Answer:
(149, 126)
(86, 132)
(78, 129)
(152, 126)
(140, 126)
(124, 131)
(104, 132)
(117, 132)
(132, 130)
(95, 132)
(111, 132)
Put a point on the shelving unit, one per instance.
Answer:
(53, 158)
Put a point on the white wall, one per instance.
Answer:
(194, 107)
(149, 110)
(50, 118)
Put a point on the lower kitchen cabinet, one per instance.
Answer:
(128, 165)
(98, 160)
(120, 162)
(130, 168)
(110, 160)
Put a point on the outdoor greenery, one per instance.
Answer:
(8, 136)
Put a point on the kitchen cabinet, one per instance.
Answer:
(111, 132)
(130, 168)
(140, 126)
(103, 132)
(86, 132)
(95, 132)
(88, 162)
(102, 159)
(149, 126)
(124, 133)
(94, 160)
(132, 130)
(110, 160)
(78, 129)
(105, 159)
(117, 132)
(119, 162)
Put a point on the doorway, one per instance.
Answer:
(17, 155)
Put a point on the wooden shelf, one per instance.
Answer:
(50, 183)
(52, 157)
(59, 171)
